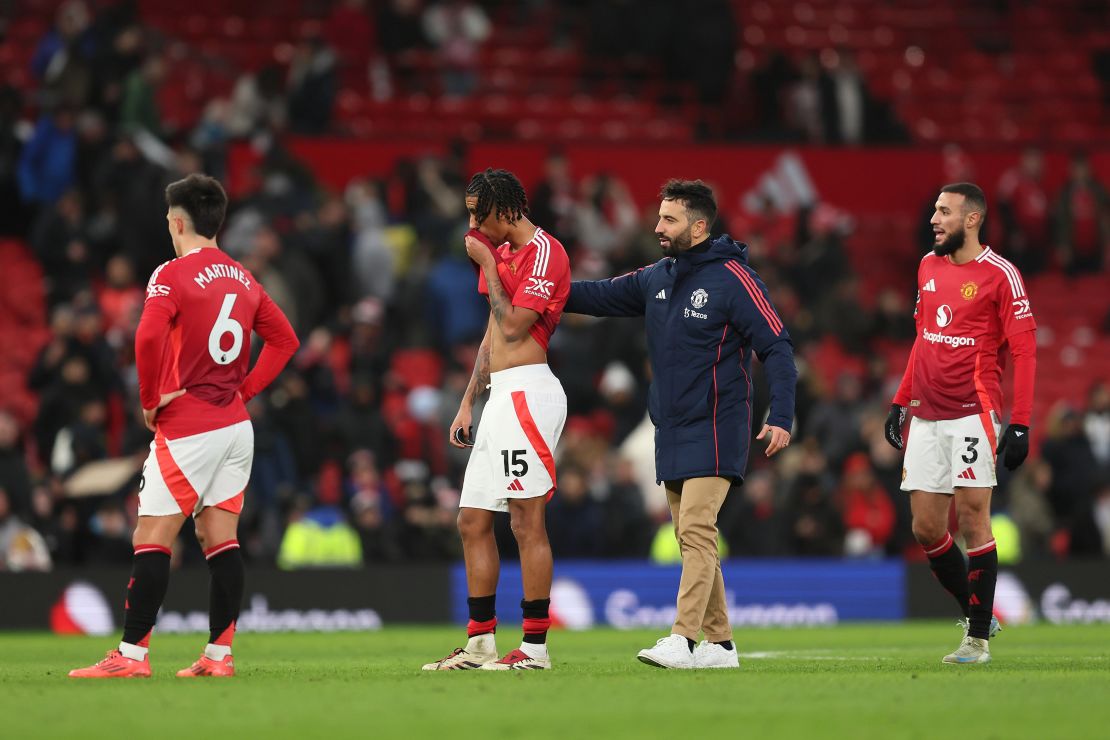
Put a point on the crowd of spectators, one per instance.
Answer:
(351, 460)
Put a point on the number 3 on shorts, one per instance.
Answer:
(226, 325)
(972, 454)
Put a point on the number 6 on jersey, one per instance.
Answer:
(226, 325)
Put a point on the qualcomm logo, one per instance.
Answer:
(944, 316)
(1059, 607)
(260, 618)
(623, 610)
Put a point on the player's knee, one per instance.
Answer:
(926, 532)
(527, 529)
(473, 526)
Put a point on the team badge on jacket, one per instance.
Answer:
(699, 298)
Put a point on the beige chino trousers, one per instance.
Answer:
(695, 503)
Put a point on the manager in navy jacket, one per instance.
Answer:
(707, 313)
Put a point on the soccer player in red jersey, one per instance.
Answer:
(971, 308)
(511, 468)
(192, 351)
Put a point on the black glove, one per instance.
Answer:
(1015, 443)
(894, 421)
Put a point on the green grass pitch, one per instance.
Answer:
(851, 681)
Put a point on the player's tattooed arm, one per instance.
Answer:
(480, 379)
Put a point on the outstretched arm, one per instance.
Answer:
(619, 296)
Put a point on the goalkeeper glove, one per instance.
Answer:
(893, 428)
(1015, 445)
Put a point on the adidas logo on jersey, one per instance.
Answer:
(515, 485)
(661, 295)
(968, 474)
(929, 287)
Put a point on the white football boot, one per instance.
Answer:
(479, 650)
(971, 650)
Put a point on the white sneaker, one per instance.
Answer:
(672, 651)
(478, 652)
(971, 650)
(996, 626)
(711, 655)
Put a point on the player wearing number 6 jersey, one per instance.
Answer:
(192, 352)
(971, 306)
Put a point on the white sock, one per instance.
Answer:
(485, 643)
(134, 652)
(217, 652)
(534, 651)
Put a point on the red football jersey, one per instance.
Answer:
(965, 314)
(195, 333)
(536, 276)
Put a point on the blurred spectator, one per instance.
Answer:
(1068, 453)
(574, 519)
(553, 202)
(1024, 215)
(844, 99)
(13, 217)
(869, 516)
(139, 109)
(257, 103)
(63, 60)
(312, 86)
(15, 479)
(627, 526)
(1096, 424)
(1082, 219)
(48, 160)
(750, 520)
(120, 300)
(607, 217)
(1027, 503)
(21, 547)
(457, 29)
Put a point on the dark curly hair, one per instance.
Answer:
(498, 192)
(695, 196)
(203, 198)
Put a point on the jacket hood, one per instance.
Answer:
(724, 247)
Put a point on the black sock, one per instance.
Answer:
(536, 620)
(726, 644)
(150, 575)
(691, 643)
(225, 593)
(483, 617)
(982, 573)
(949, 567)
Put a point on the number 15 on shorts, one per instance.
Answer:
(515, 464)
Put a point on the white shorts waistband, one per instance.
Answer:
(517, 377)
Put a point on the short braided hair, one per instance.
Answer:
(498, 192)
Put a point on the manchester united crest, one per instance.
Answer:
(969, 290)
(512, 267)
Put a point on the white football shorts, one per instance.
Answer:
(183, 476)
(952, 453)
(513, 453)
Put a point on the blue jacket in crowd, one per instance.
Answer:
(706, 313)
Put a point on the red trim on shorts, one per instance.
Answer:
(222, 547)
(227, 635)
(182, 490)
(143, 549)
(481, 628)
(528, 424)
(536, 626)
(988, 427)
(234, 504)
(981, 550)
(938, 548)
